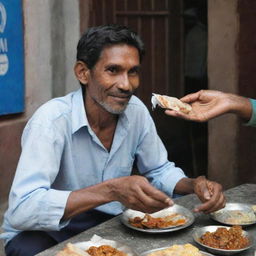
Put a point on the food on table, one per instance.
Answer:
(148, 221)
(178, 250)
(254, 208)
(170, 102)
(105, 250)
(224, 238)
(236, 217)
(72, 250)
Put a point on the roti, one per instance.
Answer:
(170, 103)
(72, 250)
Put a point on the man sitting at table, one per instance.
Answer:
(78, 152)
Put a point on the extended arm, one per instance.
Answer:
(208, 104)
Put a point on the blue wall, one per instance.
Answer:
(11, 57)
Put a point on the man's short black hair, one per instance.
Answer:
(95, 39)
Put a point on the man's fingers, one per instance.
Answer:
(154, 199)
(157, 195)
(217, 199)
(211, 206)
(216, 206)
(210, 187)
(168, 201)
(206, 194)
(141, 195)
(202, 189)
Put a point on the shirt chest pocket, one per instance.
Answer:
(121, 166)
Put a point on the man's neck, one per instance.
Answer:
(97, 116)
(101, 122)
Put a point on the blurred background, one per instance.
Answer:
(190, 45)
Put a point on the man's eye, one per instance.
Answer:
(134, 71)
(112, 69)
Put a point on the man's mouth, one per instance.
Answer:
(121, 97)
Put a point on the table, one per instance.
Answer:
(140, 241)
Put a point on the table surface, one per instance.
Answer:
(141, 241)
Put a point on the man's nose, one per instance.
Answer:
(124, 83)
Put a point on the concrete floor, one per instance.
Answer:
(2, 210)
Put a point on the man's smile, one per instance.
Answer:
(121, 98)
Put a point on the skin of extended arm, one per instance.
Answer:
(208, 104)
(240, 106)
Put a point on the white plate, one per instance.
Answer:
(173, 209)
(159, 249)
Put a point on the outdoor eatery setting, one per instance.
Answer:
(131, 240)
(127, 128)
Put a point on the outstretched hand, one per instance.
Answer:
(208, 104)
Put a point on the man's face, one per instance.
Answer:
(114, 78)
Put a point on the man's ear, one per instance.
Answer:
(82, 72)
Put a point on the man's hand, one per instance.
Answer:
(137, 193)
(210, 193)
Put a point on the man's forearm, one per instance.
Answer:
(184, 186)
(88, 198)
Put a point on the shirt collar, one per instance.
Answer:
(79, 118)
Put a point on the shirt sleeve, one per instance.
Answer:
(152, 160)
(252, 121)
(33, 204)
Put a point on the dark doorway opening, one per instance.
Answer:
(187, 142)
(165, 27)
(195, 78)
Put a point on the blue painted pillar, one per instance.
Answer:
(11, 57)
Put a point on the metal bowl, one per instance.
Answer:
(200, 231)
(234, 214)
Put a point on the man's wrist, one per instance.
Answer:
(112, 189)
(185, 186)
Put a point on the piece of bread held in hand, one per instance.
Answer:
(170, 103)
(72, 250)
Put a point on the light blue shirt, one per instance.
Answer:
(252, 121)
(61, 153)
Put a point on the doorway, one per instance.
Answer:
(164, 26)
